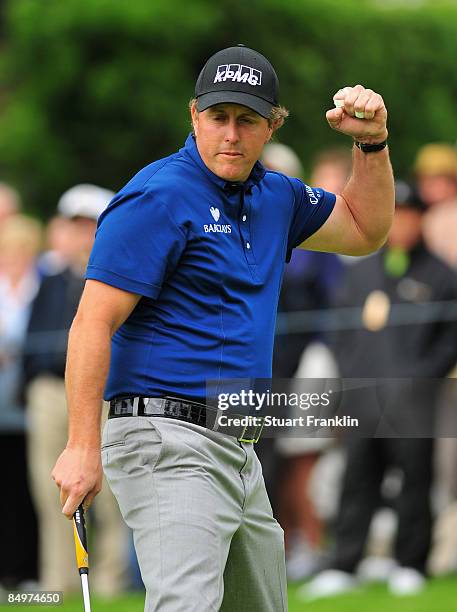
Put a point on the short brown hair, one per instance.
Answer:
(277, 116)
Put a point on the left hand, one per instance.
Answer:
(78, 474)
(372, 129)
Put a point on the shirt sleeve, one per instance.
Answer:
(312, 207)
(137, 245)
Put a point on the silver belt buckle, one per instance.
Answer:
(153, 405)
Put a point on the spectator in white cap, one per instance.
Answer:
(70, 233)
(83, 204)
(84, 200)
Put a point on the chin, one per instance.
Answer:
(232, 174)
(234, 178)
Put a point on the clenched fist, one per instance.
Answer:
(359, 113)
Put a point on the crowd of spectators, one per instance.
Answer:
(381, 507)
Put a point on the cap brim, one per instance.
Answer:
(259, 105)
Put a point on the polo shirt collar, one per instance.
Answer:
(190, 150)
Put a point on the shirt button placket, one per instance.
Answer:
(244, 229)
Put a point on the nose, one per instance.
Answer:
(231, 132)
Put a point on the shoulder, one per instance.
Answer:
(285, 192)
(167, 174)
(161, 184)
(299, 190)
(278, 180)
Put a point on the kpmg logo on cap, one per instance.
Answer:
(238, 74)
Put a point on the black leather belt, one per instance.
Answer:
(185, 410)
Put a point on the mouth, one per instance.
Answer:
(231, 154)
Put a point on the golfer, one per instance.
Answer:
(182, 287)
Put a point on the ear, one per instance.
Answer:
(272, 129)
(194, 114)
(269, 134)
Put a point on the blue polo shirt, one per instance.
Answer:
(207, 257)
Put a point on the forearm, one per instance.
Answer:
(78, 470)
(369, 195)
(86, 372)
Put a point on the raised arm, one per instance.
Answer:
(363, 212)
(78, 471)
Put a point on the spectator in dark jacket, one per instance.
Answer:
(309, 284)
(400, 416)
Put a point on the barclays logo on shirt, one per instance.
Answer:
(216, 213)
(216, 228)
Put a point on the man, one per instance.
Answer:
(183, 281)
(435, 169)
(309, 283)
(403, 274)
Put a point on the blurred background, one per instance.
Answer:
(92, 91)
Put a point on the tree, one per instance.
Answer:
(94, 90)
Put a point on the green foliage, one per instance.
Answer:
(94, 90)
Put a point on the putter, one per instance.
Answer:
(82, 556)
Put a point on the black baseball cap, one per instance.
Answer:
(239, 75)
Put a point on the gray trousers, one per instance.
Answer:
(203, 528)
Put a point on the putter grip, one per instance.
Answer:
(80, 535)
